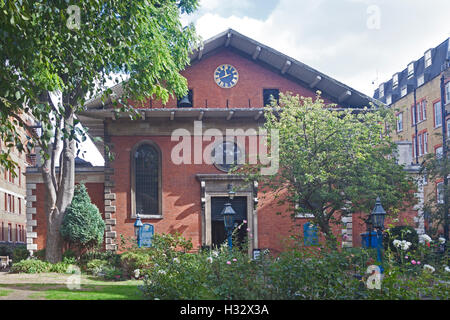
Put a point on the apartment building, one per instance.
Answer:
(415, 95)
(13, 211)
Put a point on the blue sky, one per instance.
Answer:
(361, 43)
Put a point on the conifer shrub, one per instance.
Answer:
(82, 225)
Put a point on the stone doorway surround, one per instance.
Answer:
(216, 185)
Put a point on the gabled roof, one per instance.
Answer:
(440, 56)
(289, 67)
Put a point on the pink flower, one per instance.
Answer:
(406, 257)
(228, 262)
(234, 259)
(245, 221)
(413, 261)
(248, 229)
(418, 262)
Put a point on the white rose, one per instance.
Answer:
(428, 268)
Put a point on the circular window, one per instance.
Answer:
(226, 155)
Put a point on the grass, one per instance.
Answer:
(4, 292)
(128, 290)
(91, 288)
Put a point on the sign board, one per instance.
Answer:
(256, 254)
(146, 235)
(310, 234)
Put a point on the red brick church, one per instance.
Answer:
(230, 78)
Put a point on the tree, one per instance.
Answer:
(330, 159)
(73, 50)
(82, 224)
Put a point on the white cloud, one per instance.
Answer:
(334, 37)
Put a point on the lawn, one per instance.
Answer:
(53, 287)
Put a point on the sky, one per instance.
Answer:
(360, 43)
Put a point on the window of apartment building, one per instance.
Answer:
(420, 80)
(439, 152)
(413, 115)
(422, 110)
(20, 206)
(410, 70)
(440, 192)
(422, 144)
(447, 92)
(428, 61)
(400, 122)
(404, 91)
(437, 114)
(389, 99)
(381, 90)
(2, 232)
(9, 232)
(448, 128)
(395, 81)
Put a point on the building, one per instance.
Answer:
(421, 127)
(13, 198)
(230, 78)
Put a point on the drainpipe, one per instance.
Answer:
(415, 127)
(444, 156)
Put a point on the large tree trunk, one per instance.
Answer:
(59, 191)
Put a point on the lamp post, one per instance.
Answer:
(228, 217)
(137, 229)
(377, 221)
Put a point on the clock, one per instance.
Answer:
(226, 76)
(226, 155)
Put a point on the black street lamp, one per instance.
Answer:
(137, 229)
(377, 221)
(228, 217)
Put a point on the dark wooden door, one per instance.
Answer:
(239, 205)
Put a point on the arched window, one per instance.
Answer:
(146, 184)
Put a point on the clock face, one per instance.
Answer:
(226, 76)
(226, 155)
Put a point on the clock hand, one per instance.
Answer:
(224, 76)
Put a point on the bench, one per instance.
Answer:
(4, 262)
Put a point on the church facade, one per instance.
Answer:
(167, 165)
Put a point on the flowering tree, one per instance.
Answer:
(331, 159)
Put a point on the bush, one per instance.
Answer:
(31, 266)
(96, 266)
(111, 257)
(60, 267)
(6, 250)
(40, 254)
(82, 224)
(20, 253)
(112, 273)
(141, 259)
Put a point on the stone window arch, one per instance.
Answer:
(146, 177)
